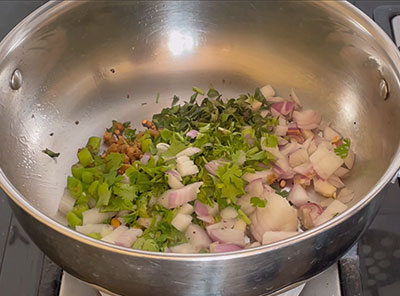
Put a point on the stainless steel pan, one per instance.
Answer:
(71, 67)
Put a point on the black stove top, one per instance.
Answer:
(24, 270)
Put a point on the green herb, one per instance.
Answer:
(343, 149)
(51, 153)
(232, 182)
(280, 192)
(212, 93)
(257, 202)
(244, 217)
(270, 140)
(198, 90)
(104, 195)
(175, 100)
(130, 134)
(157, 98)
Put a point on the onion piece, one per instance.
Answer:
(305, 169)
(290, 148)
(345, 195)
(308, 214)
(203, 212)
(284, 107)
(282, 141)
(282, 121)
(325, 162)
(281, 130)
(255, 187)
(331, 135)
(307, 134)
(67, 202)
(335, 208)
(181, 221)
(312, 148)
(184, 249)
(145, 222)
(187, 168)
(93, 216)
(267, 91)
(282, 169)
(270, 237)
(189, 151)
(174, 179)
(265, 176)
(174, 198)
(192, 134)
(335, 181)
(298, 196)
(341, 172)
(298, 157)
(295, 133)
(145, 158)
(162, 147)
(245, 204)
(197, 237)
(307, 119)
(102, 229)
(349, 160)
(256, 105)
(123, 236)
(278, 215)
(324, 188)
(212, 166)
(229, 213)
(295, 98)
(264, 113)
(240, 225)
(218, 232)
(186, 209)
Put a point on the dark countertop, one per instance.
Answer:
(23, 265)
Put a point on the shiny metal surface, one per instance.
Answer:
(329, 52)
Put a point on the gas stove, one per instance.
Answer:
(369, 268)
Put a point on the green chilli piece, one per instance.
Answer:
(79, 209)
(93, 145)
(92, 190)
(85, 157)
(77, 170)
(73, 220)
(74, 186)
(150, 245)
(87, 177)
(95, 235)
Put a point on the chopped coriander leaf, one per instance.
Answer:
(280, 192)
(257, 202)
(157, 98)
(175, 100)
(212, 93)
(270, 140)
(130, 134)
(51, 153)
(343, 149)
